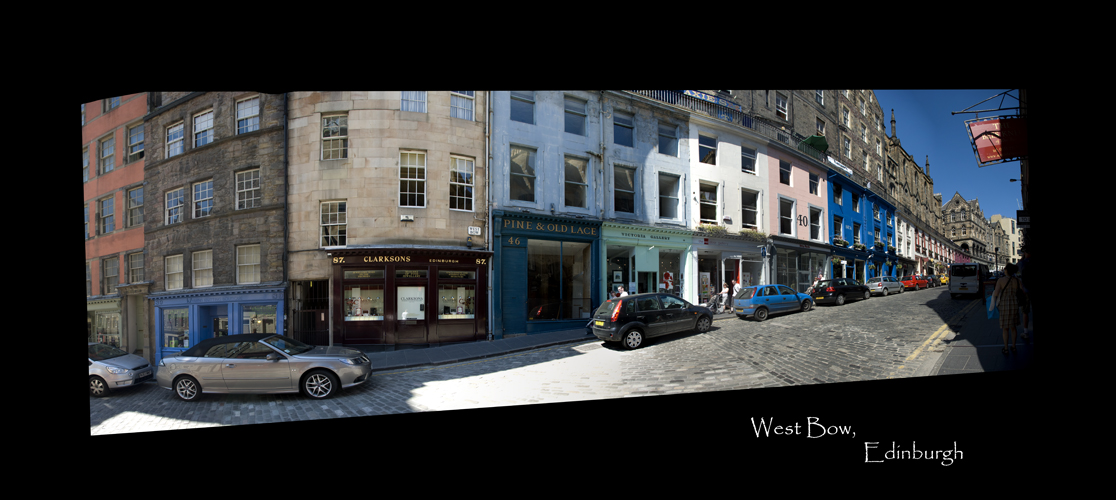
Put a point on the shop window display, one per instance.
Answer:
(107, 329)
(558, 280)
(456, 301)
(364, 302)
(259, 319)
(176, 328)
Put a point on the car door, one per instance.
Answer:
(789, 298)
(676, 314)
(248, 369)
(648, 312)
(768, 297)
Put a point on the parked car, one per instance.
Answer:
(112, 368)
(262, 363)
(884, 285)
(945, 279)
(763, 300)
(932, 281)
(631, 320)
(839, 290)
(913, 282)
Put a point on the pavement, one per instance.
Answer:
(455, 353)
(972, 343)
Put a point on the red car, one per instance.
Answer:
(916, 282)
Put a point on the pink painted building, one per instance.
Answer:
(112, 150)
(796, 212)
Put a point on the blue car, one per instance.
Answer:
(763, 300)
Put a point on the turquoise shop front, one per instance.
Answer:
(546, 276)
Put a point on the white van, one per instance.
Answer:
(967, 279)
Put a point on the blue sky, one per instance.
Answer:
(925, 126)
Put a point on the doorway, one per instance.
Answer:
(648, 282)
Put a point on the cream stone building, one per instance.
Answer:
(388, 210)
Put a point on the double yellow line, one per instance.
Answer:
(938, 336)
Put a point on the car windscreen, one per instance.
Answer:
(287, 345)
(99, 352)
(605, 310)
(963, 271)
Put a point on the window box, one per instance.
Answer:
(753, 235)
(841, 243)
(712, 229)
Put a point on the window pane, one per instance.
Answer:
(707, 149)
(523, 106)
(668, 197)
(622, 130)
(575, 116)
(624, 189)
(576, 182)
(668, 141)
(522, 176)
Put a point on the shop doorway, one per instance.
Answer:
(220, 326)
(410, 314)
(648, 282)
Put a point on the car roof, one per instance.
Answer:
(203, 346)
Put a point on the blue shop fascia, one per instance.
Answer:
(863, 228)
(184, 318)
(546, 272)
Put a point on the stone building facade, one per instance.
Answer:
(389, 242)
(215, 243)
(967, 227)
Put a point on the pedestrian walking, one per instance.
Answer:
(737, 287)
(620, 291)
(724, 296)
(1005, 298)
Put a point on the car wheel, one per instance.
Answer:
(703, 324)
(186, 388)
(867, 295)
(98, 388)
(885, 291)
(319, 384)
(761, 314)
(633, 339)
(840, 300)
(806, 305)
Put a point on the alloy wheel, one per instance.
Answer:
(318, 385)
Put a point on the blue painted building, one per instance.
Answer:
(863, 227)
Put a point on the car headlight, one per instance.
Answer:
(354, 361)
(116, 371)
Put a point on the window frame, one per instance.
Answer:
(135, 146)
(746, 158)
(838, 194)
(413, 101)
(108, 283)
(203, 131)
(521, 96)
(703, 147)
(413, 182)
(532, 164)
(106, 162)
(135, 272)
(635, 188)
(819, 96)
(819, 124)
(815, 184)
(629, 126)
(714, 202)
(845, 115)
(782, 106)
(838, 227)
(672, 140)
(579, 114)
(194, 269)
(106, 220)
(790, 218)
(816, 223)
(241, 265)
(135, 209)
(170, 275)
(85, 164)
(174, 213)
(457, 97)
(176, 139)
(785, 171)
(469, 187)
(566, 182)
(242, 200)
(754, 210)
(195, 208)
(341, 136)
(244, 122)
(338, 217)
(677, 196)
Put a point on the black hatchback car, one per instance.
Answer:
(838, 290)
(632, 319)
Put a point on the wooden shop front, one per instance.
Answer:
(396, 296)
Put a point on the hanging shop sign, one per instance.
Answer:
(1000, 139)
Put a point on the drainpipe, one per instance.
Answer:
(286, 209)
(488, 207)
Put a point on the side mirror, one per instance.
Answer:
(274, 356)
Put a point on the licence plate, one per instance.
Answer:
(963, 288)
(820, 298)
(599, 323)
(739, 309)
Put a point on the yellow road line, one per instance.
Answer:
(937, 336)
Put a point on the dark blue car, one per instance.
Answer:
(763, 300)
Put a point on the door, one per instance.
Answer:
(247, 368)
(410, 314)
(650, 313)
(789, 298)
(676, 317)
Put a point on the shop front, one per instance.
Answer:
(725, 259)
(850, 263)
(547, 275)
(644, 259)
(905, 267)
(798, 264)
(103, 321)
(184, 319)
(408, 296)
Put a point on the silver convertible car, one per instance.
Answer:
(262, 364)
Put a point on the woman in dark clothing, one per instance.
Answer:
(1004, 297)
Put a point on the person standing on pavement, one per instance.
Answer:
(724, 295)
(737, 287)
(620, 291)
(1025, 302)
(1004, 298)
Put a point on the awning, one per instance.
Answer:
(817, 142)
